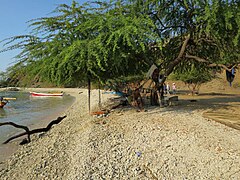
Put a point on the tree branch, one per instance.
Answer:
(222, 66)
(207, 40)
(18, 126)
(58, 120)
(196, 58)
(178, 59)
(180, 55)
(209, 64)
(163, 26)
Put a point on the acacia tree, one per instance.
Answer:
(123, 37)
(196, 31)
(85, 41)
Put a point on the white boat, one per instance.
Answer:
(46, 94)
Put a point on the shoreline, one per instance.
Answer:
(14, 146)
(172, 143)
(9, 149)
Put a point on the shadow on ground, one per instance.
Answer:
(220, 107)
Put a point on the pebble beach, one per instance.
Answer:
(159, 143)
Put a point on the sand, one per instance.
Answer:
(176, 142)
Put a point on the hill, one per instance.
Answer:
(217, 100)
(218, 85)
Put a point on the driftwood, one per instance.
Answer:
(17, 126)
(28, 132)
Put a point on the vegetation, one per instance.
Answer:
(3, 80)
(194, 77)
(115, 38)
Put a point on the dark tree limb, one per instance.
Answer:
(169, 70)
(222, 66)
(196, 58)
(28, 132)
(177, 60)
(209, 64)
(17, 126)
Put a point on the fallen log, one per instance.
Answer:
(28, 132)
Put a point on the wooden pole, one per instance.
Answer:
(89, 94)
(159, 98)
(99, 96)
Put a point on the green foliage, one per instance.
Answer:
(111, 39)
(84, 42)
(3, 80)
(194, 75)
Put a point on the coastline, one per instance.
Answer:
(170, 143)
(14, 146)
(38, 121)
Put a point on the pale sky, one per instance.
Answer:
(14, 15)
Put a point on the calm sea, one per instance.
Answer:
(30, 111)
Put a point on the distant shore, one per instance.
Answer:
(173, 143)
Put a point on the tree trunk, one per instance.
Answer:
(176, 61)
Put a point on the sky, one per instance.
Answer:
(14, 15)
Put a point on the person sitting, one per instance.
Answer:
(137, 99)
(134, 96)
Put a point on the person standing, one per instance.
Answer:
(168, 88)
(165, 88)
(174, 88)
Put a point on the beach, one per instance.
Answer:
(175, 142)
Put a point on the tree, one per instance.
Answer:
(193, 30)
(196, 31)
(86, 42)
(194, 77)
(118, 37)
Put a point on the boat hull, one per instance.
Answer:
(45, 94)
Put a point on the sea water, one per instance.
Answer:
(29, 111)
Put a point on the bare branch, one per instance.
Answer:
(196, 58)
(178, 59)
(222, 66)
(180, 55)
(18, 126)
(58, 120)
(209, 64)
